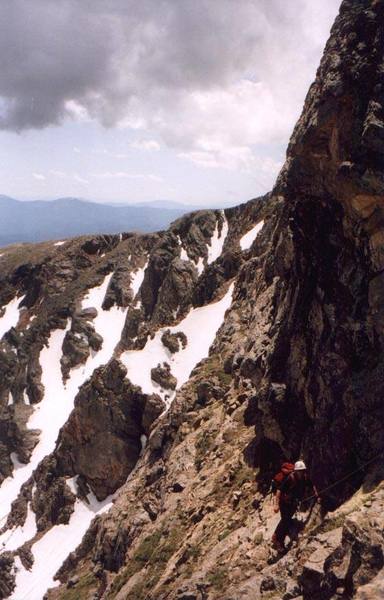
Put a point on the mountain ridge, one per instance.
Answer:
(178, 369)
(43, 220)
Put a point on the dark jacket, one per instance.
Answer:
(294, 488)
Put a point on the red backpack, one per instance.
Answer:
(285, 470)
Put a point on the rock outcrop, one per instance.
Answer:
(320, 378)
(109, 419)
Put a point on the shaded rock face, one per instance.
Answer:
(322, 288)
(175, 295)
(196, 230)
(101, 440)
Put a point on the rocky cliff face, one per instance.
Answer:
(176, 370)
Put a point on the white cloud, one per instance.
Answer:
(146, 145)
(76, 110)
(80, 179)
(134, 64)
(210, 79)
(263, 170)
(39, 176)
(126, 175)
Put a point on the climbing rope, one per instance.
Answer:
(335, 483)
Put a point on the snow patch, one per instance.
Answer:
(95, 296)
(183, 253)
(200, 326)
(57, 403)
(137, 279)
(53, 548)
(49, 416)
(11, 315)
(16, 537)
(215, 247)
(247, 240)
(71, 483)
(200, 265)
(59, 243)
(143, 441)
(53, 410)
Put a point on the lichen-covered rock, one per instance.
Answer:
(7, 574)
(174, 341)
(163, 377)
(53, 501)
(175, 293)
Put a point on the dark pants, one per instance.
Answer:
(286, 512)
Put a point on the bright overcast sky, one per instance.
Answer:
(140, 100)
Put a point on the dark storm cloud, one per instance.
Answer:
(143, 61)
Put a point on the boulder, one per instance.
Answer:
(174, 341)
(163, 377)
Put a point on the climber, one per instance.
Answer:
(295, 487)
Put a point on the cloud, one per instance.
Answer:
(80, 179)
(196, 74)
(57, 173)
(39, 176)
(126, 175)
(146, 145)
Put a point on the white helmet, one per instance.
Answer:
(300, 465)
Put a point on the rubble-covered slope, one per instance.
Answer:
(98, 335)
(274, 341)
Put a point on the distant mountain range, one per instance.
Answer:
(36, 221)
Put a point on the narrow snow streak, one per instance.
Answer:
(200, 326)
(183, 253)
(59, 243)
(247, 240)
(95, 296)
(200, 265)
(215, 248)
(11, 316)
(137, 279)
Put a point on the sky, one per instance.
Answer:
(190, 101)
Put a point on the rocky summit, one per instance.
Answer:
(152, 385)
